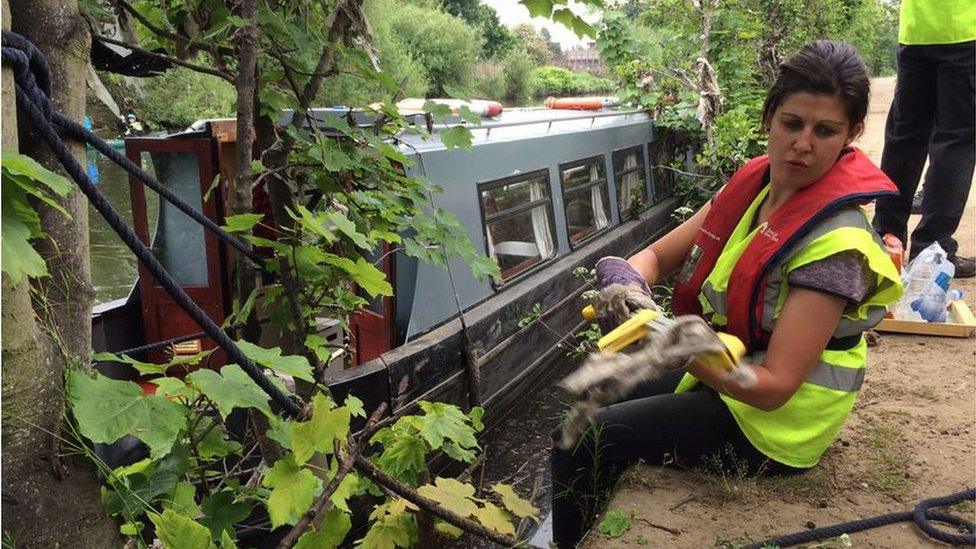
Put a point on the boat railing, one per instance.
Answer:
(535, 121)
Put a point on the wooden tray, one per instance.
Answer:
(960, 323)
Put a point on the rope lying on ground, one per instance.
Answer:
(923, 514)
(33, 100)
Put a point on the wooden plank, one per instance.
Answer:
(962, 324)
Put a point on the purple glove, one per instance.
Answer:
(616, 270)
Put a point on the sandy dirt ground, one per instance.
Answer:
(911, 436)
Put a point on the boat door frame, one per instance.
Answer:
(210, 298)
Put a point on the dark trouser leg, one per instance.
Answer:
(952, 149)
(907, 134)
(688, 429)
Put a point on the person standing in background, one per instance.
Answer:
(932, 115)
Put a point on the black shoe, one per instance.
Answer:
(917, 203)
(965, 266)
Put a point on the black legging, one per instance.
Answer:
(692, 430)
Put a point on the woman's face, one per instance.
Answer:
(806, 134)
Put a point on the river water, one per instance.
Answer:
(113, 266)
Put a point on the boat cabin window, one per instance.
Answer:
(517, 214)
(179, 240)
(585, 198)
(661, 153)
(629, 176)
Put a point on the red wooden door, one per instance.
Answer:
(371, 328)
(189, 253)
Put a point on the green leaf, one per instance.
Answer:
(330, 533)
(131, 528)
(370, 279)
(447, 530)
(242, 223)
(437, 110)
(615, 523)
(175, 387)
(355, 406)
(456, 136)
(18, 256)
(564, 16)
(179, 532)
(21, 164)
(226, 541)
(496, 518)
(476, 414)
(152, 368)
(318, 345)
(445, 421)
(582, 28)
(515, 504)
(293, 365)
(402, 454)
(348, 228)
(346, 489)
(452, 495)
(327, 424)
(107, 410)
(293, 490)
(184, 500)
(390, 532)
(221, 512)
(471, 118)
(213, 445)
(538, 8)
(231, 388)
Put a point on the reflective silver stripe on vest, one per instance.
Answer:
(715, 298)
(828, 375)
(848, 327)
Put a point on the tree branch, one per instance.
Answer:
(346, 464)
(171, 35)
(173, 60)
(381, 477)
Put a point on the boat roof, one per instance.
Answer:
(512, 124)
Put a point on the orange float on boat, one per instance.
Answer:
(480, 107)
(581, 103)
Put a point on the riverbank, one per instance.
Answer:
(911, 436)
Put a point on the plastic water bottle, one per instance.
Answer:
(954, 295)
(932, 303)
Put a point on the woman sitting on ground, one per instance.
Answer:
(784, 259)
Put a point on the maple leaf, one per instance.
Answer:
(515, 504)
(452, 495)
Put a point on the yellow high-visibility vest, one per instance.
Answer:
(937, 22)
(799, 432)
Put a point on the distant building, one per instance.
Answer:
(584, 59)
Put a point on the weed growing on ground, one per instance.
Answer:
(924, 391)
(889, 459)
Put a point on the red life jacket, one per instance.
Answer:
(853, 178)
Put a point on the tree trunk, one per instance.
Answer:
(47, 501)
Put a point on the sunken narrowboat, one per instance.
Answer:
(541, 192)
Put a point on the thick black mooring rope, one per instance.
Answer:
(923, 515)
(33, 99)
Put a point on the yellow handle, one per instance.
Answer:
(729, 360)
(630, 331)
(589, 313)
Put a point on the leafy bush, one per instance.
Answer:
(443, 44)
(180, 97)
(519, 80)
(489, 79)
(560, 81)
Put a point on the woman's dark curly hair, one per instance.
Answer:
(828, 67)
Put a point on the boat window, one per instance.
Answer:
(518, 221)
(629, 176)
(179, 241)
(660, 153)
(586, 199)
